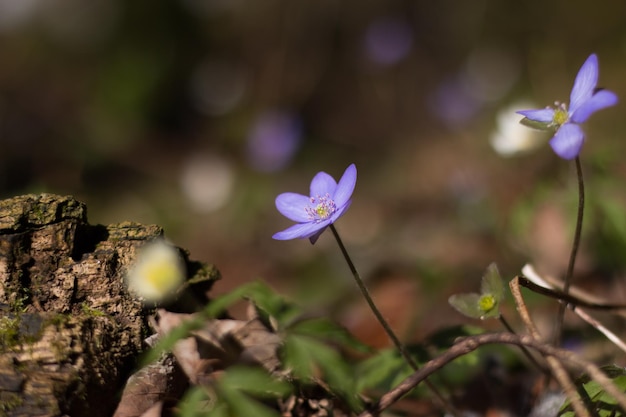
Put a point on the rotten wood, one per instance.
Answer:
(70, 332)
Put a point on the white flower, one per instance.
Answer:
(510, 137)
(157, 273)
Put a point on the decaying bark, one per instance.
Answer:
(69, 330)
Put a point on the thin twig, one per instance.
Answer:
(586, 299)
(525, 351)
(567, 298)
(538, 284)
(467, 345)
(600, 327)
(558, 370)
(442, 402)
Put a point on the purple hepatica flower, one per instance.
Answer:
(585, 100)
(388, 40)
(329, 200)
(274, 139)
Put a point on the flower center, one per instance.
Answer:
(322, 207)
(486, 303)
(560, 114)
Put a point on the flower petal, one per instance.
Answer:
(599, 101)
(292, 206)
(323, 183)
(319, 227)
(299, 231)
(345, 187)
(585, 83)
(568, 141)
(539, 115)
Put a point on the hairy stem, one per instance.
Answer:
(572, 258)
(398, 344)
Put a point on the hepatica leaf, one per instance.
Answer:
(237, 393)
(309, 358)
(596, 399)
(324, 329)
(382, 371)
(272, 308)
(254, 381)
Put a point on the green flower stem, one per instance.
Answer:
(442, 402)
(572, 258)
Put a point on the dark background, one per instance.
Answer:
(195, 114)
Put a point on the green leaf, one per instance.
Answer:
(467, 304)
(309, 358)
(326, 329)
(239, 404)
(594, 396)
(197, 403)
(492, 283)
(218, 305)
(230, 396)
(270, 305)
(382, 371)
(254, 381)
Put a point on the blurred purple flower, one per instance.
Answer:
(329, 200)
(273, 140)
(452, 103)
(388, 40)
(585, 100)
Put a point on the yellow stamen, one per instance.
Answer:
(486, 303)
(560, 116)
(322, 211)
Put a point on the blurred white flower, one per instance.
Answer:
(510, 138)
(207, 182)
(157, 273)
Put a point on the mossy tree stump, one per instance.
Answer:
(69, 330)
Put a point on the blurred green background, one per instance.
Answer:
(195, 114)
